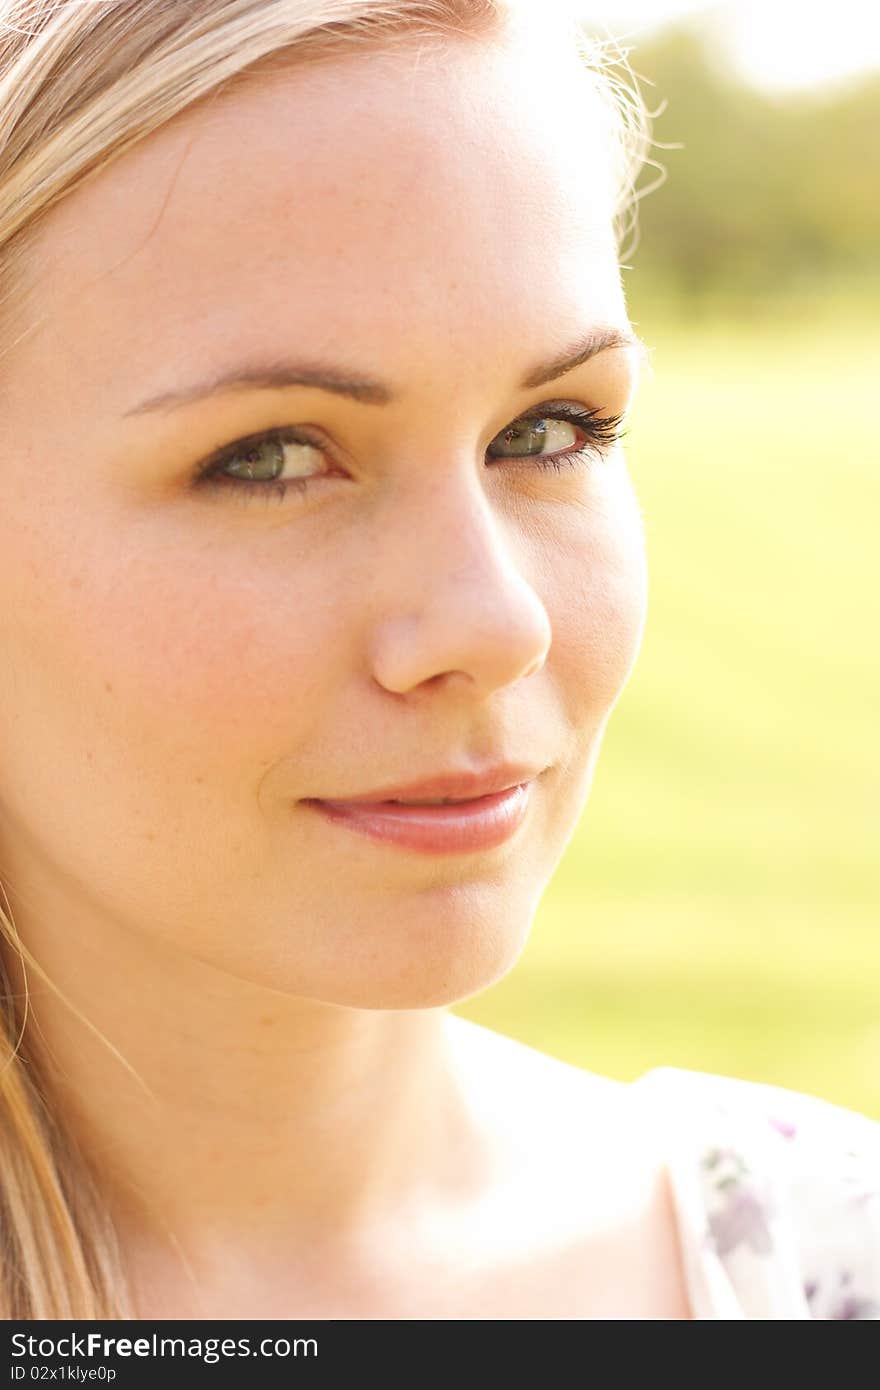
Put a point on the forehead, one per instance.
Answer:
(433, 195)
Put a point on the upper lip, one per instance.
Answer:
(458, 785)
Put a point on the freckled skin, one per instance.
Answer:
(181, 669)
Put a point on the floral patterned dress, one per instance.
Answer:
(777, 1197)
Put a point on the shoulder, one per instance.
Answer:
(514, 1071)
(575, 1129)
(579, 1134)
(777, 1192)
(591, 1192)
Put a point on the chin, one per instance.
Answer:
(422, 988)
(432, 963)
(425, 964)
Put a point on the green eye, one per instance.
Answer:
(254, 466)
(528, 438)
(263, 460)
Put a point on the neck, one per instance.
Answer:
(223, 1113)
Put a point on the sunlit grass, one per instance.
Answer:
(719, 905)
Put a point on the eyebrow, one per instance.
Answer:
(280, 375)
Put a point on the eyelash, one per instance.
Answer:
(602, 432)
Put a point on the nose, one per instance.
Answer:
(458, 605)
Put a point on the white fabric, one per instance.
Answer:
(777, 1197)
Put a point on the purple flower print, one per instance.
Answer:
(850, 1306)
(784, 1127)
(741, 1218)
(853, 1307)
(741, 1221)
(844, 1303)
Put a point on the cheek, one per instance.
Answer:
(153, 667)
(142, 679)
(599, 589)
(150, 690)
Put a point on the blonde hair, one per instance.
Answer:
(81, 82)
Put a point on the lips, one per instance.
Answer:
(461, 786)
(445, 801)
(466, 827)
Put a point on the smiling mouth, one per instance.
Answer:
(450, 826)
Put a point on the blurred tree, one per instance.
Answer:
(769, 195)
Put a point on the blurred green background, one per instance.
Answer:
(719, 905)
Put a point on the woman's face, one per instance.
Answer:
(184, 664)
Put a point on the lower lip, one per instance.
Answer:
(459, 828)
